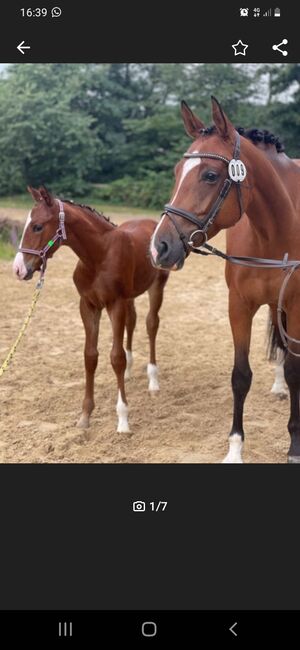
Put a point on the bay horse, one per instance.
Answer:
(225, 182)
(113, 268)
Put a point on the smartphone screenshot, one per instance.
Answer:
(150, 331)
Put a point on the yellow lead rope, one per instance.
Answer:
(11, 353)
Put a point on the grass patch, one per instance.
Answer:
(7, 251)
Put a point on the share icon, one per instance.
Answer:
(277, 47)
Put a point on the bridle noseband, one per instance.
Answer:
(60, 234)
(236, 174)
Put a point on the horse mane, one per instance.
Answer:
(254, 135)
(95, 212)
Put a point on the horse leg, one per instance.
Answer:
(130, 325)
(279, 387)
(292, 377)
(90, 318)
(276, 347)
(155, 293)
(241, 322)
(117, 314)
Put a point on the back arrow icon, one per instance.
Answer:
(231, 629)
(21, 47)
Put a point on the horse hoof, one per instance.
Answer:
(153, 392)
(280, 394)
(123, 429)
(83, 422)
(293, 459)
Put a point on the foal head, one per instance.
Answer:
(208, 193)
(40, 227)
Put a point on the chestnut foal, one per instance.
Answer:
(113, 268)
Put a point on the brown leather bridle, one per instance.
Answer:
(236, 174)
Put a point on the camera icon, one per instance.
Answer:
(139, 506)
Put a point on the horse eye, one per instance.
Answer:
(210, 177)
(37, 227)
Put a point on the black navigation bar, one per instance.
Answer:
(69, 627)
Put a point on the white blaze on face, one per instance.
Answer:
(189, 164)
(19, 267)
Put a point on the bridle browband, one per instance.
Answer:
(236, 174)
(60, 234)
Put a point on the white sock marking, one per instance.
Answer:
(19, 267)
(122, 412)
(129, 362)
(235, 449)
(279, 387)
(152, 373)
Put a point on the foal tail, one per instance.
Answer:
(274, 340)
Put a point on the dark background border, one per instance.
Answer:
(230, 535)
(228, 539)
(108, 32)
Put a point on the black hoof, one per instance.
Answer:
(293, 459)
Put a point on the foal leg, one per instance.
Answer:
(91, 318)
(117, 314)
(130, 325)
(155, 292)
(241, 321)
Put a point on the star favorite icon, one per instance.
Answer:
(240, 48)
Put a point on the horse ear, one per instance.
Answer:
(223, 124)
(36, 195)
(47, 196)
(192, 124)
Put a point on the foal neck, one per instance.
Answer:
(87, 231)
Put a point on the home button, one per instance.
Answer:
(149, 628)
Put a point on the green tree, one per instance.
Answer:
(285, 106)
(42, 138)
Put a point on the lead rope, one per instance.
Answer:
(22, 331)
(60, 234)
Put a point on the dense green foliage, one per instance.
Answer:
(118, 126)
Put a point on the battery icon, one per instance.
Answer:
(277, 12)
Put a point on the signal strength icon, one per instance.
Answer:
(268, 12)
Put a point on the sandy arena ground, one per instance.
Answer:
(188, 422)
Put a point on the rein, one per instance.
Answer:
(59, 235)
(264, 263)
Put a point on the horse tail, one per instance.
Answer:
(274, 340)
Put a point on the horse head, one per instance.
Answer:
(42, 234)
(204, 199)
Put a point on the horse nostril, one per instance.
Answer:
(163, 249)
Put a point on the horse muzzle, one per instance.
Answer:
(166, 256)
